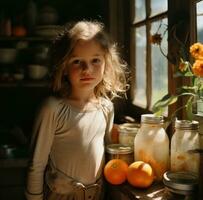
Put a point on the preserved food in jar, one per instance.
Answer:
(151, 144)
(123, 152)
(184, 140)
(127, 132)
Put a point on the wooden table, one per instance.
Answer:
(156, 192)
(128, 192)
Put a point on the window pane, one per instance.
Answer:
(158, 6)
(200, 21)
(140, 98)
(140, 10)
(159, 63)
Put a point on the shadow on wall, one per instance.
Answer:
(19, 112)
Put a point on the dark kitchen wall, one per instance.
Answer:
(68, 10)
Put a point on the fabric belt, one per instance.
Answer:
(91, 192)
(64, 186)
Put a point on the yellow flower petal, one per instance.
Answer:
(183, 65)
(197, 68)
(196, 50)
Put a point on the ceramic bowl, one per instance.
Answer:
(37, 72)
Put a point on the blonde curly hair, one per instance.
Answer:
(114, 81)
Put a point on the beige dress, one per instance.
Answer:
(68, 150)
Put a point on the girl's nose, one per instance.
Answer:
(86, 66)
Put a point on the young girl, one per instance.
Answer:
(68, 139)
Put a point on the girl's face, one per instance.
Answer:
(86, 66)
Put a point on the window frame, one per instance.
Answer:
(133, 25)
(176, 9)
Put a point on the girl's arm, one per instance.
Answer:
(109, 119)
(43, 135)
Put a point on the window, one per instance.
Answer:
(199, 10)
(180, 24)
(150, 67)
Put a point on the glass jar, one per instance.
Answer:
(151, 144)
(184, 142)
(123, 152)
(180, 185)
(127, 132)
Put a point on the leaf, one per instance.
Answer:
(187, 94)
(196, 81)
(159, 112)
(188, 74)
(189, 88)
(159, 106)
(189, 109)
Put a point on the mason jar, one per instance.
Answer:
(184, 143)
(127, 132)
(119, 151)
(151, 144)
(180, 185)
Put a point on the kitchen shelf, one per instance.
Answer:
(25, 84)
(29, 38)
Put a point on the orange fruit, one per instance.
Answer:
(140, 174)
(115, 171)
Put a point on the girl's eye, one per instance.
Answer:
(76, 62)
(96, 61)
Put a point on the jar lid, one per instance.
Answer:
(128, 128)
(151, 119)
(118, 149)
(180, 182)
(186, 124)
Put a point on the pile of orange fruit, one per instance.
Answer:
(139, 174)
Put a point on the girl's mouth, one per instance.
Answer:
(87, 79)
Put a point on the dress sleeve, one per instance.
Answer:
(110, 120)
(42, 138)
